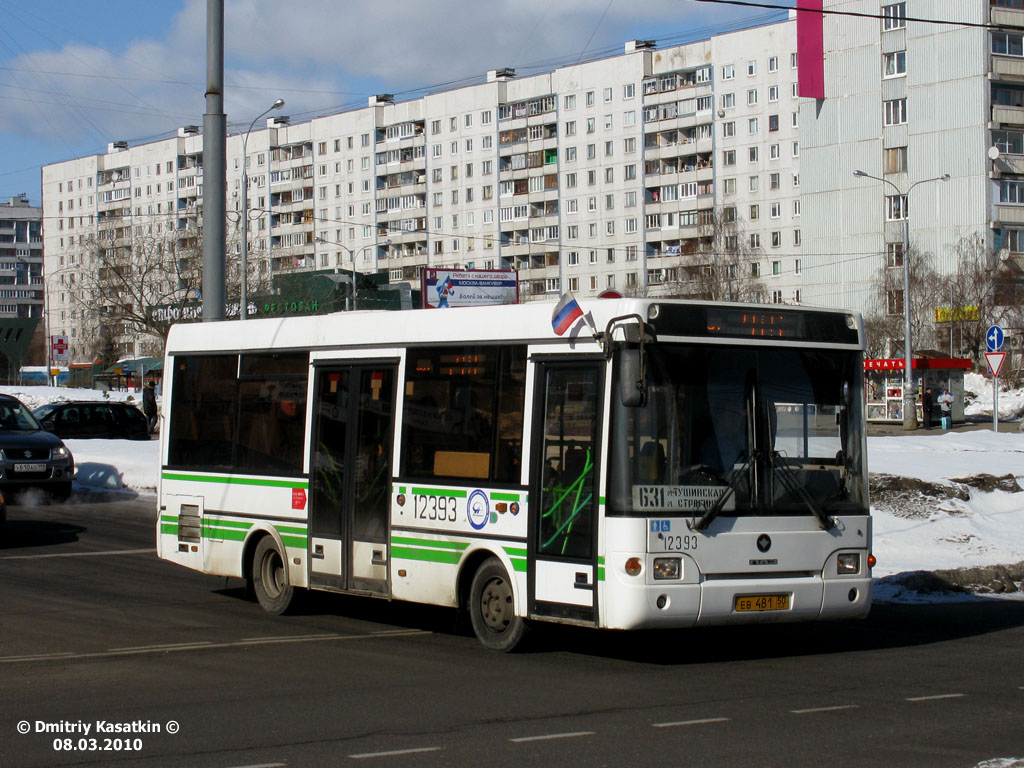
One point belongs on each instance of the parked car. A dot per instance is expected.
(31, 457)
(93, 418)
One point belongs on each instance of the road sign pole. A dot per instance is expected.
(995, 403)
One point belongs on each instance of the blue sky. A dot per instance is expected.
(76, 75)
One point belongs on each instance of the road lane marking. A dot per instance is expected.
(287, 638)
(836, 708)
(550, 736)
(163, 646)
(938, 696)
(82, 554)
(679, 723)
(394, 752)
(201, 645)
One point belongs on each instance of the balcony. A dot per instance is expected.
(1006, 115)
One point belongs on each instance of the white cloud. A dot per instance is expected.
(319, 55)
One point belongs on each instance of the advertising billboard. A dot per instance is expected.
(444, 288)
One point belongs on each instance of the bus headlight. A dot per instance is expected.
(667, 567)
(848, 562)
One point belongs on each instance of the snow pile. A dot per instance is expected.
(978, 390)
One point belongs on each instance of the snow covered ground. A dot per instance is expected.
(987, 528)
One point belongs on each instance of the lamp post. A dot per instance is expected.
(909, 403)
(244, 303)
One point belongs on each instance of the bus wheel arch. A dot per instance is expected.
(266, 570)
(491, 606)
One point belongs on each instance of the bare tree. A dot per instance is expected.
(885, 321)
(985, 290)
(135, 280)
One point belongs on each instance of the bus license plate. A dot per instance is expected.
(29, 467)
(762, 603)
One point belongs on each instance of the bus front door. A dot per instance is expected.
(350, 476)
(562, 562)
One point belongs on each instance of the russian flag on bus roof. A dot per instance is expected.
(567, 312)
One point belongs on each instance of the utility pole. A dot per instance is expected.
(215, 166)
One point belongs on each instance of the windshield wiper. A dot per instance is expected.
(730, 479)
(825, 520)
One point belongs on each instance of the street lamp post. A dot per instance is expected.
(244, 303)
(909, 401)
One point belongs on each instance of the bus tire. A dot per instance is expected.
(270, 577)
(492, 608)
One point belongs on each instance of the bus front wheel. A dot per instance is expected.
(270, 577)
(492, 608)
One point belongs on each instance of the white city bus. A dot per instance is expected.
(682, 464)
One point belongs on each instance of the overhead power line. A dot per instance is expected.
(862, 15)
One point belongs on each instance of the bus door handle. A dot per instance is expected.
(582, 581)
(378, 558)
(318, 552)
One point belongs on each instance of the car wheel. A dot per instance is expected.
(270, 578)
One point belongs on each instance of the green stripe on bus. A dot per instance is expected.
(515, 551)
(171, 530)
(439, 492)
(600, 573)
(428, 555)
(227, 534)
(459, 545)
(518, 557)
(231, 480)
(294, 541)
(168, 519)
(505, 497)
(290, 529)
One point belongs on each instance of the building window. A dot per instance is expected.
(752, 125)
(755, 240)
(773, 93)
(751, 68)
(1008, 43)
(729, 157)
(755, 213)
(776, 267)
(776, 239)
(628, 90)
(773, 63)
(729, 129)
(896, 112)
(773, 123)
(728, 72)
(752, 96)
(570, 101)
(728, 100)
(895, 159)
(896, 207)
(894, 64)
(894, 16)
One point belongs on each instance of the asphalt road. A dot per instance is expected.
(95, 630)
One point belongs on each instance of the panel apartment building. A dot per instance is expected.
(908, 102)
(638, 173)
(21, 259)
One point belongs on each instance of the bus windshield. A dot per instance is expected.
(740, 431)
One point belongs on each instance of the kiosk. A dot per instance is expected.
(883, 385)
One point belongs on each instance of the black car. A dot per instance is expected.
(93, 418)
(31, 457)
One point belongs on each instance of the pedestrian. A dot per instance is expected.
(946, 408)
(926, 407)
(149, 404)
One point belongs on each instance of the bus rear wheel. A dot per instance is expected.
(270, 577)
(492, 608)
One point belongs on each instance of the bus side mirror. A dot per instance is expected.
(632, 388)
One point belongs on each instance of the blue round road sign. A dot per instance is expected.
(994, 338)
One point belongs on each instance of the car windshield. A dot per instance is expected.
(44, 411)
(15, 416)
(741, 431)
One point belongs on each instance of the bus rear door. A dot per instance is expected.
(350, 475)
